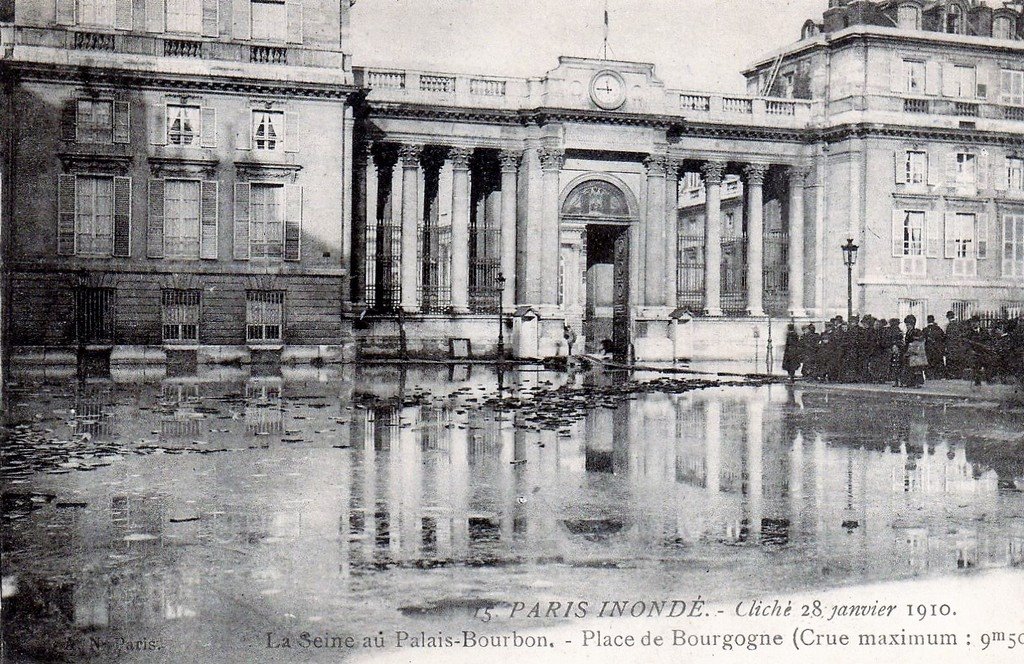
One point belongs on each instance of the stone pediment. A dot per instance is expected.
(604, 85)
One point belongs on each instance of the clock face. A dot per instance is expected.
(608, 90)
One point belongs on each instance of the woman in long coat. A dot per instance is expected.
(791, 354)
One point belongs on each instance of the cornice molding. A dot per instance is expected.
(945, 134)
(82, 162)
(260, 170)
(176, 166)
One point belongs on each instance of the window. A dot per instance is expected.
(180, 313)
(1002, 27)
(185, 16)
(96, 12)
(917, 167)
(1012, 84)
(95, 121)
(94, 216)
(181, 219)
(268, 130)
(964, 81)
(913, 234)
(962, 309)
(1013, 245)
(966, 169)
(266, 225)
(954, 19)
(269, 20)
(264, 315)
(908, 17)
(960, 235)
(183, 125)
(1015, 173)
(912, 307)
(915, 72)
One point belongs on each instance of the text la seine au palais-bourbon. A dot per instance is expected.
(750, 625)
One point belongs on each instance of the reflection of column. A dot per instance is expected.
(654, 232)
(551, 164)
(509, 166)
(755, 238)
(713, 173)
(671, 233)
(365, 214)
(506, 488)
(410, 155)
(820, 471)
(796, 481)
(410, 468)
(459, 459)
(796, 240)
(460, 228)
(713, 438)
(344, 476)
(755, 463)
(369, 485)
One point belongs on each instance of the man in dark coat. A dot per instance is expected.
(935, 348)
(809, 343)
(791, 353)
(894, 342)
(826, 349)
(956, 346)
(837, 354)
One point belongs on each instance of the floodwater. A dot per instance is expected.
(202, 520)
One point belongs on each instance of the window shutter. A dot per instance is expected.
(211, 18)
(292, 221)
(897, 74)
(982, 169)
(951, 169)
(241, 230)
(897, 232)
(950, 218)
(208, 219)
(981, 81)
(934, 162)
(293, 10)
(900, 166)
(241, 19)
(243, 135)
(933, 78)
(122, 122)
(1008, 222)
(155, 223)
(949, 80)
(291, 131)
(122, 216)
(1000, 173)
(123, 15)
(69, 120)
(66, 12)
(155, 15)
(208, 127)
(981, 222)
(933, 234)
(158, 125)
(66, 215)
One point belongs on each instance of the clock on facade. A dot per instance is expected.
(607, 89)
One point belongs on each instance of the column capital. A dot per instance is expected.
(673, 164)
(509, 160)
(363, 153)
(798, 173)
(755, 173)
(460, 157)
(713, 172)
(410, 154)
(656, 164)
(551, 159)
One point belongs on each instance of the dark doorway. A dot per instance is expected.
(606, 316)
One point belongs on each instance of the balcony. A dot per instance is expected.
(689, 102)
(1013, 113)
(915, 106)
(738, 105)
(183, 48)
(387, 80)
(486, 87)
(94, 41)
(432, 83)
(270, 55)
(966, 109)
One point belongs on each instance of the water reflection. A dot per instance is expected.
(347, 499)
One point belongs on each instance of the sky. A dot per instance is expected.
(694, 44)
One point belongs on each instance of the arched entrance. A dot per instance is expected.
(601, 212)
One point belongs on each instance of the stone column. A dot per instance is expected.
(755, 238)
(797, 176)
(410, 156)
(365, 216)
(671, 233)
(509, 166)
(459, 158)
(713, 171)
(654, 232)
(551, 165)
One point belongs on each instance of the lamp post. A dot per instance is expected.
(500, 280)
(849, 260)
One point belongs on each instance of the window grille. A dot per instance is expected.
(95, 315)
(180, 315)
(264, 315)
(690, 264)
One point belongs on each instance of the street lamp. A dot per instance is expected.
(500, 279)
(849, 260)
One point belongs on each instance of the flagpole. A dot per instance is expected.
(605, 49)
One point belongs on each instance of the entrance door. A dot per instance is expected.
(620, 304)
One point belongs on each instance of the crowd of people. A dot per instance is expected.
(866, 349)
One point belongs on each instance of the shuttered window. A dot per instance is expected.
(917, 167)
(268, 130)
(180, 315)
(264, 315)
(183, 124)
(185, 16)
(1012, 86)
(94, 216)
(913, 234)
(1015, 173)
(95, 121)
(966, 169)
(1013, 245)
(96, 12)
(269, 20)
(266, 224)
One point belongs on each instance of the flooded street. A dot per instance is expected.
(200, 520)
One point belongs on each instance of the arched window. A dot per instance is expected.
(954, 19)
(596, 198)
(908, 17)
(809, 30)
(1003, 27)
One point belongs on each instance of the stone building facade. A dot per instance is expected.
(341, 211)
